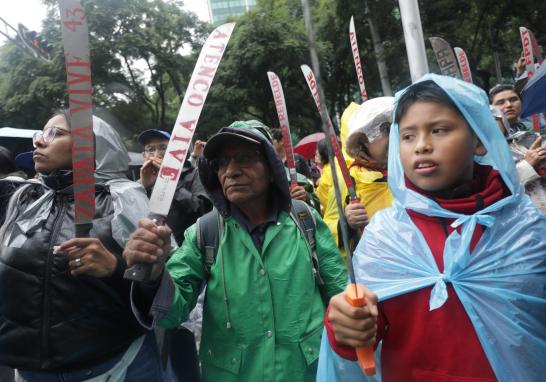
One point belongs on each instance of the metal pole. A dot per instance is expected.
(413, 36)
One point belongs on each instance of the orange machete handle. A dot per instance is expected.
(354, 294)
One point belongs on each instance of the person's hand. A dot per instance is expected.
(198, 148)
(520, 65)
(149, 171)
(299, 193)
(536, 155)
(150, 243)
(356, 215)
(88, 256)
(354, 326)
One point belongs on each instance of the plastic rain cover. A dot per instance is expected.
(502, 286)
(112, 162)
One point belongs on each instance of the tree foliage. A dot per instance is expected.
(139, 71)
(143, 52)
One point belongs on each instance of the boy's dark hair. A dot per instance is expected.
(426, 91)
(276, 134)
(322, 148)
(500, 88)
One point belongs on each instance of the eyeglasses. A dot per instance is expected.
(242, 159)
(47, 135)
(159, 149)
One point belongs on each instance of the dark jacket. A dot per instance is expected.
(49, 319)
(190, 201)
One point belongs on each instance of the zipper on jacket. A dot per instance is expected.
(57, 223)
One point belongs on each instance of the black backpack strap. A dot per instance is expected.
(305, 220)
(208, 231)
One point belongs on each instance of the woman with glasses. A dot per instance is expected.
(64, 308)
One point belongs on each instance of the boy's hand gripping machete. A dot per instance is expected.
(354, 293)
(184, 128)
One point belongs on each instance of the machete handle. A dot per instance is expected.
(142, 272)
(82, 230)
(354, 294)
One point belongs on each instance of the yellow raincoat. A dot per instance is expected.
(370, 187)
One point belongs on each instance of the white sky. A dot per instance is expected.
(30, 13)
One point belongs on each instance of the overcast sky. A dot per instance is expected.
(30, 13)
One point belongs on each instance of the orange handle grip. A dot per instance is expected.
(355, 296)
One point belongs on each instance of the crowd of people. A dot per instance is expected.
(448, 238)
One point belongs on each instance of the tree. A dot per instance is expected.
(143, 52)
(271, 37)
(140, 64)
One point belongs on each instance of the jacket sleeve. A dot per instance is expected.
(331, 266)
(344, 351)
(324, 186)
(169, 301)
(526, 172)
(190, 201)
(188, 275)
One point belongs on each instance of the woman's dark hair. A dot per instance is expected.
(322, 148)
(7, 163)
(426, 91)
(64, 113)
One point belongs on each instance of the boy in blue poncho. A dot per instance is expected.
(458, 263)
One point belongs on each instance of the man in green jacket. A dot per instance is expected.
(263, 312)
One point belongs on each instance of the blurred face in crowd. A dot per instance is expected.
(242, 172)
(437, 146)
(378, 149)
(318, 159)
(509, 103)
(279, 148)
(155, 149)
(53, 146)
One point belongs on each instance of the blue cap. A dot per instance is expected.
(25, 161)
(152, 133)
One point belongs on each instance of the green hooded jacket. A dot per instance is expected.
(270, 300)
(263, 312)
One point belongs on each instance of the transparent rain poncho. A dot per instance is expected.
(502, 285)
(112, 163)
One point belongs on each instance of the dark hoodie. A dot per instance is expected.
(279, 192)
(405, 323)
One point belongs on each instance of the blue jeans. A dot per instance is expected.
(146, 367)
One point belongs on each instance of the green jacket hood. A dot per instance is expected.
(246, 129)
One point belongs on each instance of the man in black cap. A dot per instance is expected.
(190, 201)
(260, 257)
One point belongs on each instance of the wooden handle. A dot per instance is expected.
(355, 296)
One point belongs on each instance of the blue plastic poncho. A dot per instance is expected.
(502, 286)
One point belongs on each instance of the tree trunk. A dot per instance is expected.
(380, 56)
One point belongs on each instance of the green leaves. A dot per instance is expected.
(143, 53)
